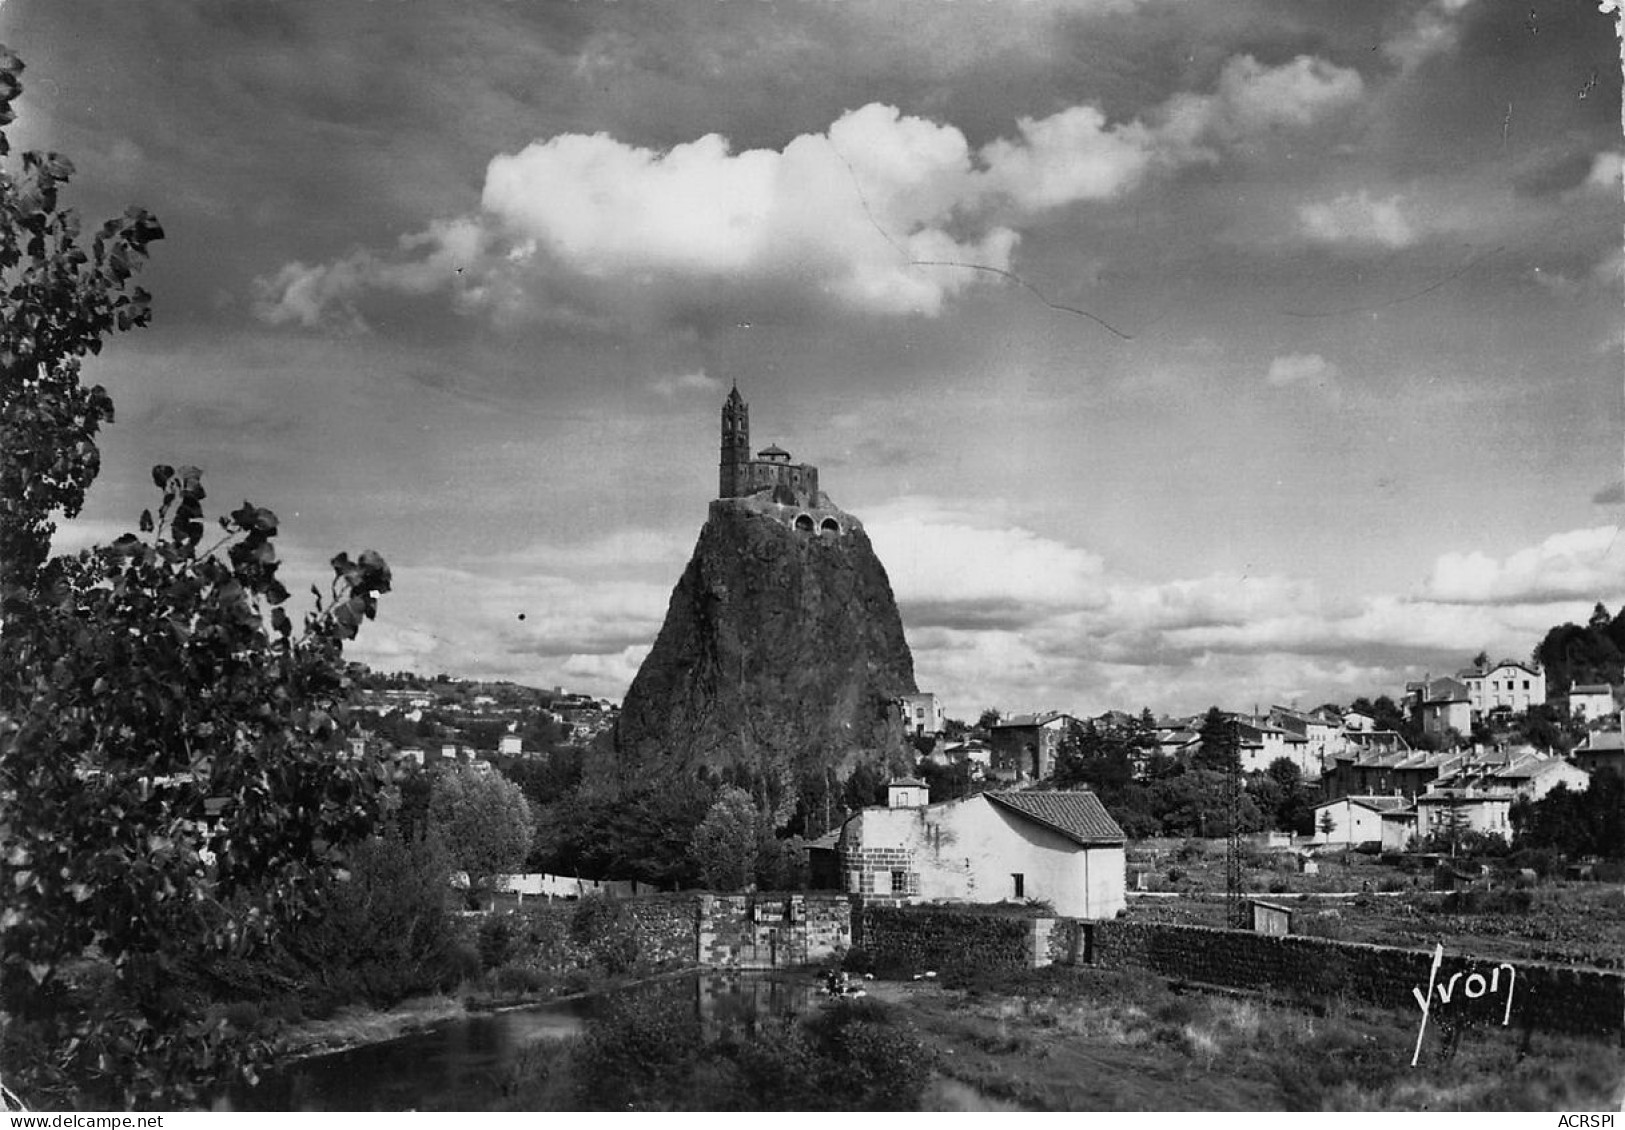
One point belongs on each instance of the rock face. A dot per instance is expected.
(782, 649)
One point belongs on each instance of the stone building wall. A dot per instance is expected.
(765, 931)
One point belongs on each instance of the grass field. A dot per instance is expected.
(1552, 920)
(1091, 1040)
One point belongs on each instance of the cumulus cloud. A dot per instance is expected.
(444, 256)
(1253, 97)
(1434, 30)
(1606, 172)
(1301, 368)
(881, 212)
(950, 569)
(1571, 565)
(1357, 219)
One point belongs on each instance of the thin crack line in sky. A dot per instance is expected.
(1429, 289)
(863, 200)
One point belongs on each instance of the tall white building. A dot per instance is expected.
(1509, 683)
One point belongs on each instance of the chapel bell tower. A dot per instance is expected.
(735, 446)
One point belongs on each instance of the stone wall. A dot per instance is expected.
(1547, 997)
(765, 931)
(664, 926)
(924, 938)
(755, 931)
(1555, 998)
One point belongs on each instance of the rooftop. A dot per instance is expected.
(1079, 816)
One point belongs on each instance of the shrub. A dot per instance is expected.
(495, 941)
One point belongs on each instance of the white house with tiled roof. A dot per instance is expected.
(1591, 701)
(1061, 847)
(1261, 743)
(1509, 683)
(1354, 819)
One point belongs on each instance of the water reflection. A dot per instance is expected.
(465, 1064)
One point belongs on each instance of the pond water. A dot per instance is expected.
(465, 1064)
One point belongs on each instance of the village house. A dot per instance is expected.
(1320, 733)
(1602, 749)
(1261, 744)
(1385, 772)
(1532, 776)
(922, 714)
(1354, 820)
(1446, 811)
(1509, 684)
(1025, 745)
(1591, 701)
(1476, 794)
(1177, 738)
(1059, 847)
(1442, 707)
(1358, 721)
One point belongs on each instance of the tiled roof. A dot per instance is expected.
(1601, 740)
(907, 782)
(1078, 816)
(1016, 720)
(1375, 803)
(1592, 688)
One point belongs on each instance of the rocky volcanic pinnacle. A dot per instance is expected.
(782, 649)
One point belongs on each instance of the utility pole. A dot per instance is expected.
(1234, 914)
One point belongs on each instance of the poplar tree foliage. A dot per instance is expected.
(169, 778)
(486, 823)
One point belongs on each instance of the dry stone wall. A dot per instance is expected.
(1557, 998)
(921, 938)
(755, 931)
(1467, 989)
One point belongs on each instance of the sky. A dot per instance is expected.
(1171, 354)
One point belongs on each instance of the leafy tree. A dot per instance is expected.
(486, 823)
(728, 841)
(1589, 821)
(643, 834)
(947, 782)
(171, 757)
(1102, 762)
(1194, 803)
(866, 786)
(61, 299)
(1594, 653)
(987, 720)
(1293, 810)
(1328, 824)
(1452, 827)
(386, 931)
(1220, 747)
(1542, 727)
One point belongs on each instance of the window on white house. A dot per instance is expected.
(899, 882)
(1021, 885)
